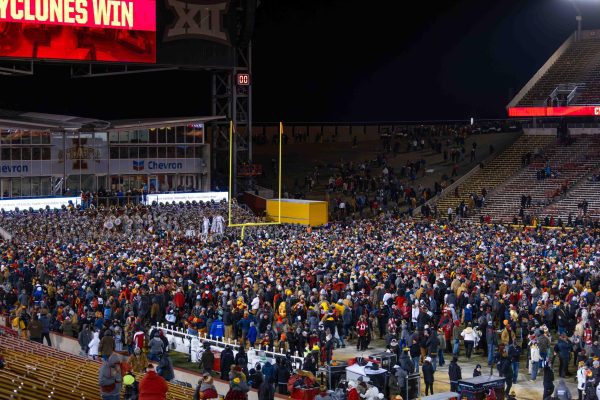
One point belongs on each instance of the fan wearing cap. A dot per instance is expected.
(238, 388)
(131, 386)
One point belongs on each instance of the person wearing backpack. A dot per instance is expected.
(109, 378)
(562, 392)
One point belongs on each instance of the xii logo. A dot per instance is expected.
(201, 19)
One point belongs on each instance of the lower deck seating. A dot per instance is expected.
(34, 372)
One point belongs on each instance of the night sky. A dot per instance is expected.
(345, 60)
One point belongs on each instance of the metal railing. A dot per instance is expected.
(182, 342)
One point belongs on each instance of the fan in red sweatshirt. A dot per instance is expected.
(179, 298)
(153, 387)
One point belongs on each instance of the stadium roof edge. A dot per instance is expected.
(42, 121)
(160, 122)
(541, 71)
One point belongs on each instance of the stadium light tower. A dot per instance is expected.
(578, 17)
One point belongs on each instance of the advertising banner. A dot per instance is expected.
(183, 197)
(37, 203)
(568, 111)
(146, 166)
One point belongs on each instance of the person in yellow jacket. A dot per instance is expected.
(281, 310)
(138, 361)
(340, 307)
(324, 305)
(18, 324)
(507, 335)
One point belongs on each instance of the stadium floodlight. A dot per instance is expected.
(578, 17)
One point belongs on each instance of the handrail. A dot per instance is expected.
(571, 95)
(219, 344)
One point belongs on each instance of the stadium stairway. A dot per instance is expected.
(573, 66)
(586, 189)
(590, 93)
(495, 172)
(572, 163)
(34, 372)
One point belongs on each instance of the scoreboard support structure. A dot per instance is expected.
(233, 99)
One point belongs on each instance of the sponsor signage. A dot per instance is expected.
(103, 167)
(14, 169)
(84, 30)
(38, 202)
(153, 165)
(568, 111)
(183, 197)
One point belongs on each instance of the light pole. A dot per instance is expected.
(578, 18)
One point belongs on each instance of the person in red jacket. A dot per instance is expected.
(179, 299)
(362, 328)
(352, 392)
(153, 387)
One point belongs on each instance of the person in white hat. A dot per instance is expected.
(352, 392)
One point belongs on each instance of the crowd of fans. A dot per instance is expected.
(362, 189)
(431, 290)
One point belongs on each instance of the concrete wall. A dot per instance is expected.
(584, 131)
(540, 131)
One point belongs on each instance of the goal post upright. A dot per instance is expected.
(230, 200)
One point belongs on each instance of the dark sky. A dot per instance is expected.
(345, 60)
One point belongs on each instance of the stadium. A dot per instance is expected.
(158, 240)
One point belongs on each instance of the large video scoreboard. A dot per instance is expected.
(161, 32)
(84, 30)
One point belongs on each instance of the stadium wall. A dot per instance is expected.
(540, 131)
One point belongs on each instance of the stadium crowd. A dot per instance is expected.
(430, 289)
